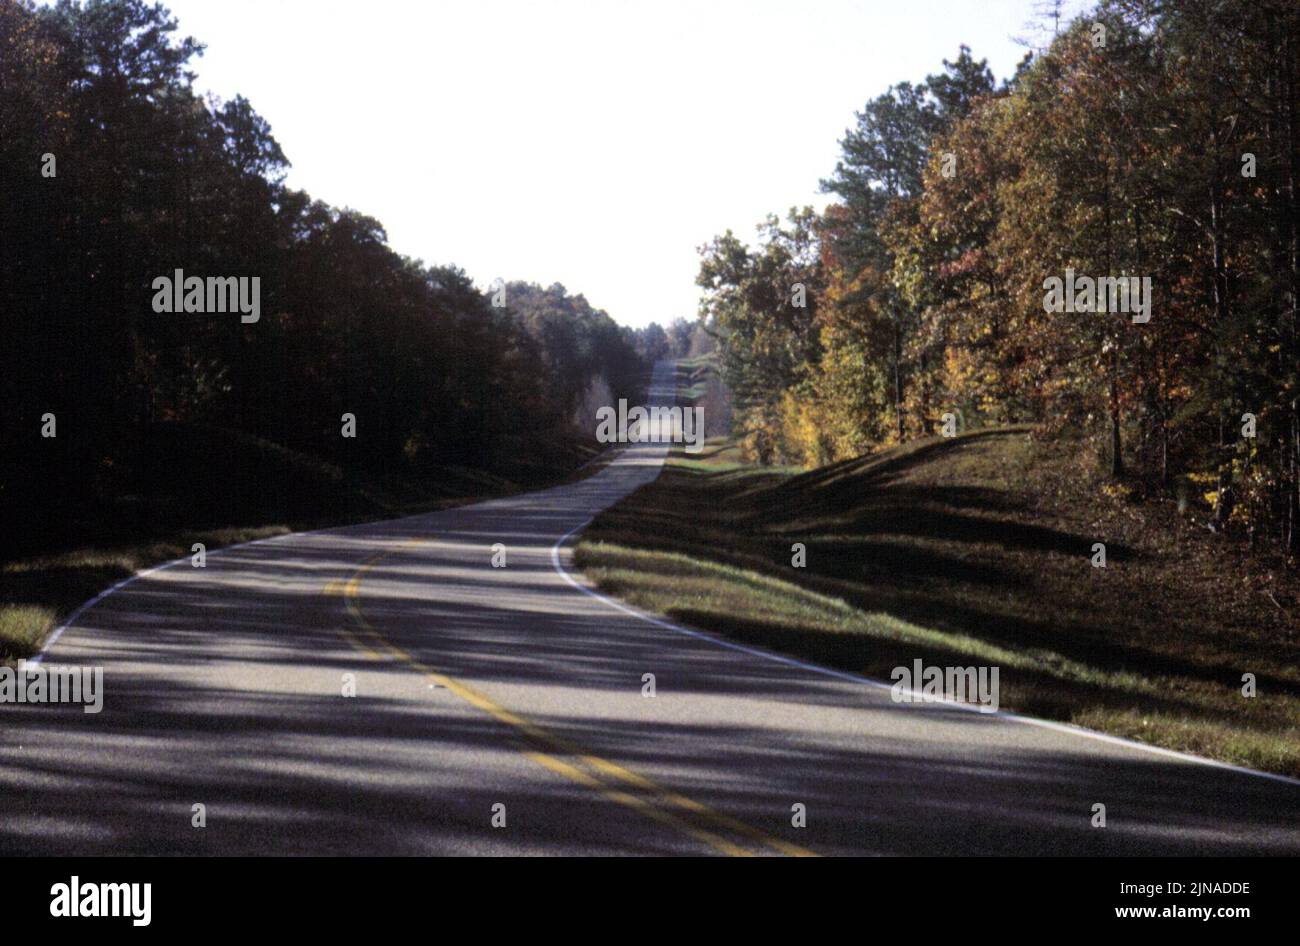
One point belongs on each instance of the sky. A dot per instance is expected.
(595, 144)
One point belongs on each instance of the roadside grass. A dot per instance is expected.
(976, 550)
(718, 455)
(41, 591)
(222, 488)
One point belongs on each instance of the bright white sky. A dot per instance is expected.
(596, 144)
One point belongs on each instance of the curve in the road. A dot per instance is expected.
(518, 691)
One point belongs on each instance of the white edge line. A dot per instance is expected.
(1066, 728)
(699, 635)
(153, 569)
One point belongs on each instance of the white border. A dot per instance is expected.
(878, 684)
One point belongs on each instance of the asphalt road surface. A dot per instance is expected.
(481, 687)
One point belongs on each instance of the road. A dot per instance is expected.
(501, 711)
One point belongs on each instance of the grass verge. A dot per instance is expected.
(977, 550)
(222, 488)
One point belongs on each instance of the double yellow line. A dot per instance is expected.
(613, 781)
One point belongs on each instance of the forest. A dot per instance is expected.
(114, 174)
(1148, 139)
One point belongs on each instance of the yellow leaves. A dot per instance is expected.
(1115, 490)
(804, 430)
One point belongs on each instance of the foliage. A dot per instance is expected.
(1170, 151)
(150, 178)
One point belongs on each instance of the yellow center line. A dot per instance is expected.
(561, 767)
(351, 590)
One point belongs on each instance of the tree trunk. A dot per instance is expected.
(1116, 446)
(898, 376)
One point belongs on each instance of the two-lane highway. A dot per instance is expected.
(502, 711)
